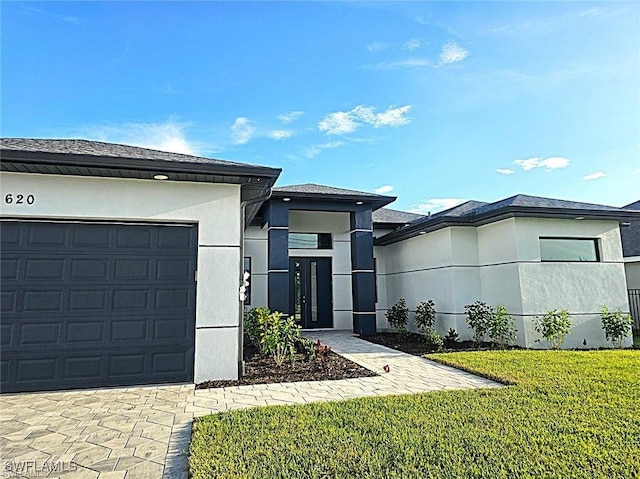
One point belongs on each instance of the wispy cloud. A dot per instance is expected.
(452, 53)
(549, 164)
(291, 116)
(378, 46)
(338, 123)
(64, 18)
(344, 122)
(315, 150)
(242, 131)
(434, 205)
(594, 176)
(383, 190)
(412, 44)
(505, 171)
(167, 136)
(406, 63)
(280, 134)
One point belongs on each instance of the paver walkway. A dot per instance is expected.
(143, 432)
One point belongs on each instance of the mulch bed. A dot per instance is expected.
(414, 343)
(262, 369)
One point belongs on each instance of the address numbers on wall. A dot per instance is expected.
(19, 199)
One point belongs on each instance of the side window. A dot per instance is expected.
(569, 249)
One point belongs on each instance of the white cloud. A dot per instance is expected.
(343, 122)
(408, 63)
(452, 53)
(505, 171)
(378, 46)
(280, 134)
(434, 205)
(314, 150)
(291, 116)
(412, 44)
(383, 190)
(549, 164)
(594, 176)
(338, 123)
(242, 131)
(167, 136)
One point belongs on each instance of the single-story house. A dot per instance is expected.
(123, 265)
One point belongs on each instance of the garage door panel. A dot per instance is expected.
(40, 301)
(89, 269)
(47, 235)
(134, 237)
(8, 302)
(9, 269)
(133, 269)
(89, 305)
(176, 238)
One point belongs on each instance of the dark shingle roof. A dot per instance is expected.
(631, 234)
(526, 201)
(313, 192)
(311, 188)
(99, 159)
(475, 213)
(389, 216)
(460, 210)
(102, 149)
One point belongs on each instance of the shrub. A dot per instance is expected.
(425, 318)
(616, 325)
(500, 328)
(434, 341)
(254, 322)
(398, 316)
(554, 326)
(478, 317)
(280, 337)
(451, 337)
(307, 347)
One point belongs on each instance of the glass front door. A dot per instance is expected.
(311, 292)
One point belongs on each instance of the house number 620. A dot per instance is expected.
(19, 199)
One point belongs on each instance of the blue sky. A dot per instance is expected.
(433, 102)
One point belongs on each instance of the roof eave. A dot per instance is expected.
(136, 164)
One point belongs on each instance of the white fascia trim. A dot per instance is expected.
(631, 259)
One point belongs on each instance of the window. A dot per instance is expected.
(569, 249)
(310, 241)
(247, 269)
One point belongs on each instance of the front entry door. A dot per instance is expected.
(311, 299)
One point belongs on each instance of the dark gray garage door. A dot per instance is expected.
(90, 304)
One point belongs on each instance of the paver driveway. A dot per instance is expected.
(143, 432)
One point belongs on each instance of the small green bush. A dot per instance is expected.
(478, 317)
(398, 316)
(616, 325)
(280, 337)
(425, 318)
(554, 326)
(254, 322)
(307, 347)
(434, 341)
(500, 328)
(451, 338)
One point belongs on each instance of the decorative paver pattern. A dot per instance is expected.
(143, 432)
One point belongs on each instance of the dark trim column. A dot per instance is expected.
(362, 273)
(277, 216)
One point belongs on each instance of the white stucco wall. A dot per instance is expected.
(215, 208)
(499, 263)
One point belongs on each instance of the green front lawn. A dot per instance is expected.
(570, 414)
